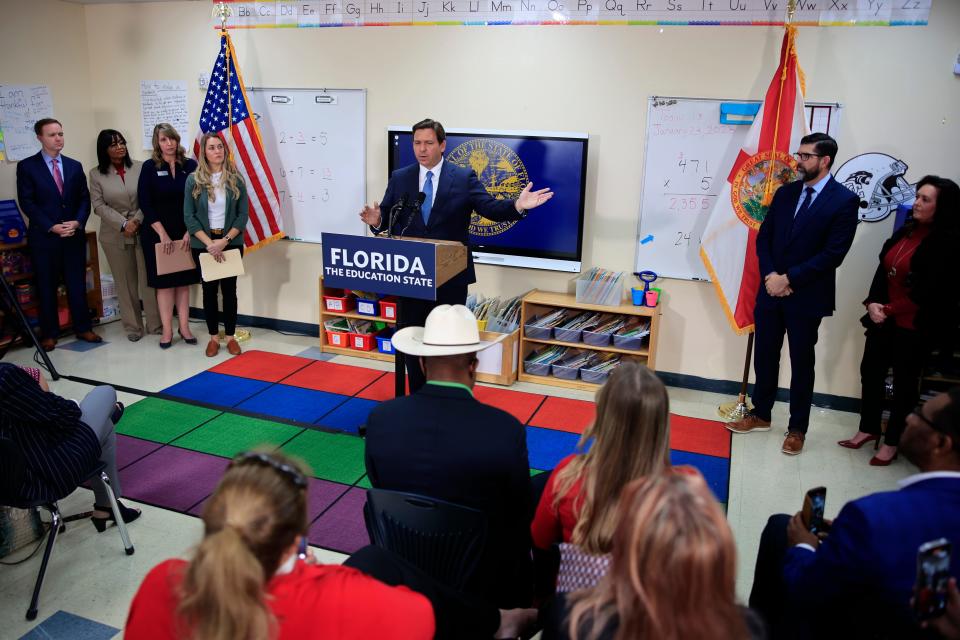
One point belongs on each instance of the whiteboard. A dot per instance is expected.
(689, 154)
(315, 141)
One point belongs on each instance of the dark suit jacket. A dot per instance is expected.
(808, 249)
(441, 442)
(459, 194)
(42, 203)
(869, 561)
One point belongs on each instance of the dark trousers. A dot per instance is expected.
(66, 259)
(457, 615)
(211, 307)
(905, 350)
(802, 332)
(413, 313)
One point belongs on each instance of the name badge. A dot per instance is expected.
(163, 173)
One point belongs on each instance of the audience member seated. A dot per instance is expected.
(246, 581)
(672, 571)
(630, 439)
(61, 439)
(441, 442)
(858, 580)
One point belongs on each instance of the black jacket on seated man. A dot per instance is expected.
(443, 443)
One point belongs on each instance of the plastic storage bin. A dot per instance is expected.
(338, 304)
(363, 341)
(368, 307)
(537, 333)
(596, 339)
(388, 308)
(606, 294)
(337, 338)
(384, 344)
(629, 342)
(567, 335)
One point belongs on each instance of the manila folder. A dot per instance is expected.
(210, 269)
(178, 260)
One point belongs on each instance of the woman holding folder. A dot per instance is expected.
(215, 208)
(160, 192)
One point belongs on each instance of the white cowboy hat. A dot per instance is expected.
(449, 330)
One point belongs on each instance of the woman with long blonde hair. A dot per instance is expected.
(630, 439)
(672, 573)
(215, 209)
(247, 582)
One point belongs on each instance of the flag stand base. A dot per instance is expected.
(737, 410)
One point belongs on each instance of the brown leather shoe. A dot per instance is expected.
(233, 347)
(213, 348)
(48, 344)
(749, 424)
(89, 336)
(793, 445)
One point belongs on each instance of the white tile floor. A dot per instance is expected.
(89, 574)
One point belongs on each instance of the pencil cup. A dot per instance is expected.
(652, 298)
(637, 293)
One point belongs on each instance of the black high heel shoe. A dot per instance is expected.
(127, 513)
(192, 340)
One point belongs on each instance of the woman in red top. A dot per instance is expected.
(246, 582)
(631, 439)
(912, 300)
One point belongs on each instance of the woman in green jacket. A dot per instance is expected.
(215, 209)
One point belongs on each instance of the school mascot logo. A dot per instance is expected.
(880, 182)
(500, 171)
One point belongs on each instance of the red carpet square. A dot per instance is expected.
(262, 365)
(382, 389)
(696, 435)
(333, 378)
(517, 403)
(564, 414)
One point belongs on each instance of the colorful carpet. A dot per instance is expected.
(173, 448)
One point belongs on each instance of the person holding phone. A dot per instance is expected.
(868, 561)
(215, 209)
(160, 193)
(246, 581)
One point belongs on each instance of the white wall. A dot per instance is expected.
(896, 84)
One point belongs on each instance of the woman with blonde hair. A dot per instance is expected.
(631, 439)
(215, 209)
(160, 193)
(247, 582)
(672, 572)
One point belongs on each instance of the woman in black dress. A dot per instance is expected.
(160, 192)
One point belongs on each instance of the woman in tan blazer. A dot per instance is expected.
(113, 194)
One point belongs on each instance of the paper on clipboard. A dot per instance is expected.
(173, 262)
(210, 269)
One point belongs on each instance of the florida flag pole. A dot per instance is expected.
(728, 246)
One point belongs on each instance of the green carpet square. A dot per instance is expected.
(536, 472)
(161, 420)
(330, 456)
(365, 483)
(230, 434)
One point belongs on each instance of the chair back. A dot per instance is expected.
(579, 569)
(443, 539)
(12, 472)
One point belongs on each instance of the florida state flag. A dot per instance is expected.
(728, 247)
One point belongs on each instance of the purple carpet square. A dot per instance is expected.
(320, 495)
(173, 478)
(132, 449)
(349, 416)
(342, 528)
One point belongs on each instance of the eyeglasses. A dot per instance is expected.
(803, 157)
(918, 413)
(288, 471)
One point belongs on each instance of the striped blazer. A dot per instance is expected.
(58, 449)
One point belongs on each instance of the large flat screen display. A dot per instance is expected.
(551, 236)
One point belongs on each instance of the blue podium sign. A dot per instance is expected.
(381, 265)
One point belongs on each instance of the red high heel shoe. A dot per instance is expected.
(850, 444)
(877, 461)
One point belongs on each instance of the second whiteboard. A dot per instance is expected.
(314, 140)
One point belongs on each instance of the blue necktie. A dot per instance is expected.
(806, 203)
(428, 201)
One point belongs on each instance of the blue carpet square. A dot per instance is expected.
(349, 416)
(80, 345)
(316, 354)
(547, 447)
(292, 403)
(217, 389)
(67, 626)
(716, 471)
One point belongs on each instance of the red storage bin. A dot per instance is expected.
(363, 341)
(388, 308)
(338, 339)
(339, 304)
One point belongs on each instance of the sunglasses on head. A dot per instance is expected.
(291, 473)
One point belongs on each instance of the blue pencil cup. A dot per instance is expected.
(637, 294)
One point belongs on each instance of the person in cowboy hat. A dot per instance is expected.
(443, 443)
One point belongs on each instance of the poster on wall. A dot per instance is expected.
(21, 105)
(163, 101)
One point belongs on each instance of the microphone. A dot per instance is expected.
(421, 198)
(414, 209)
(400, 205)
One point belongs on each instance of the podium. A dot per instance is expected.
(402, 267)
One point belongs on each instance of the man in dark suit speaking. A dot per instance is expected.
(803, 239)
(53, 195)
(451, 195)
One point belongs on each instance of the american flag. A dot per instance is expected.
(225, 112)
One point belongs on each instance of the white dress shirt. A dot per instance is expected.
(217, 209)
(435, 179)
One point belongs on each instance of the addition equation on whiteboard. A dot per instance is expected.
(689, 188)
(303, 183)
